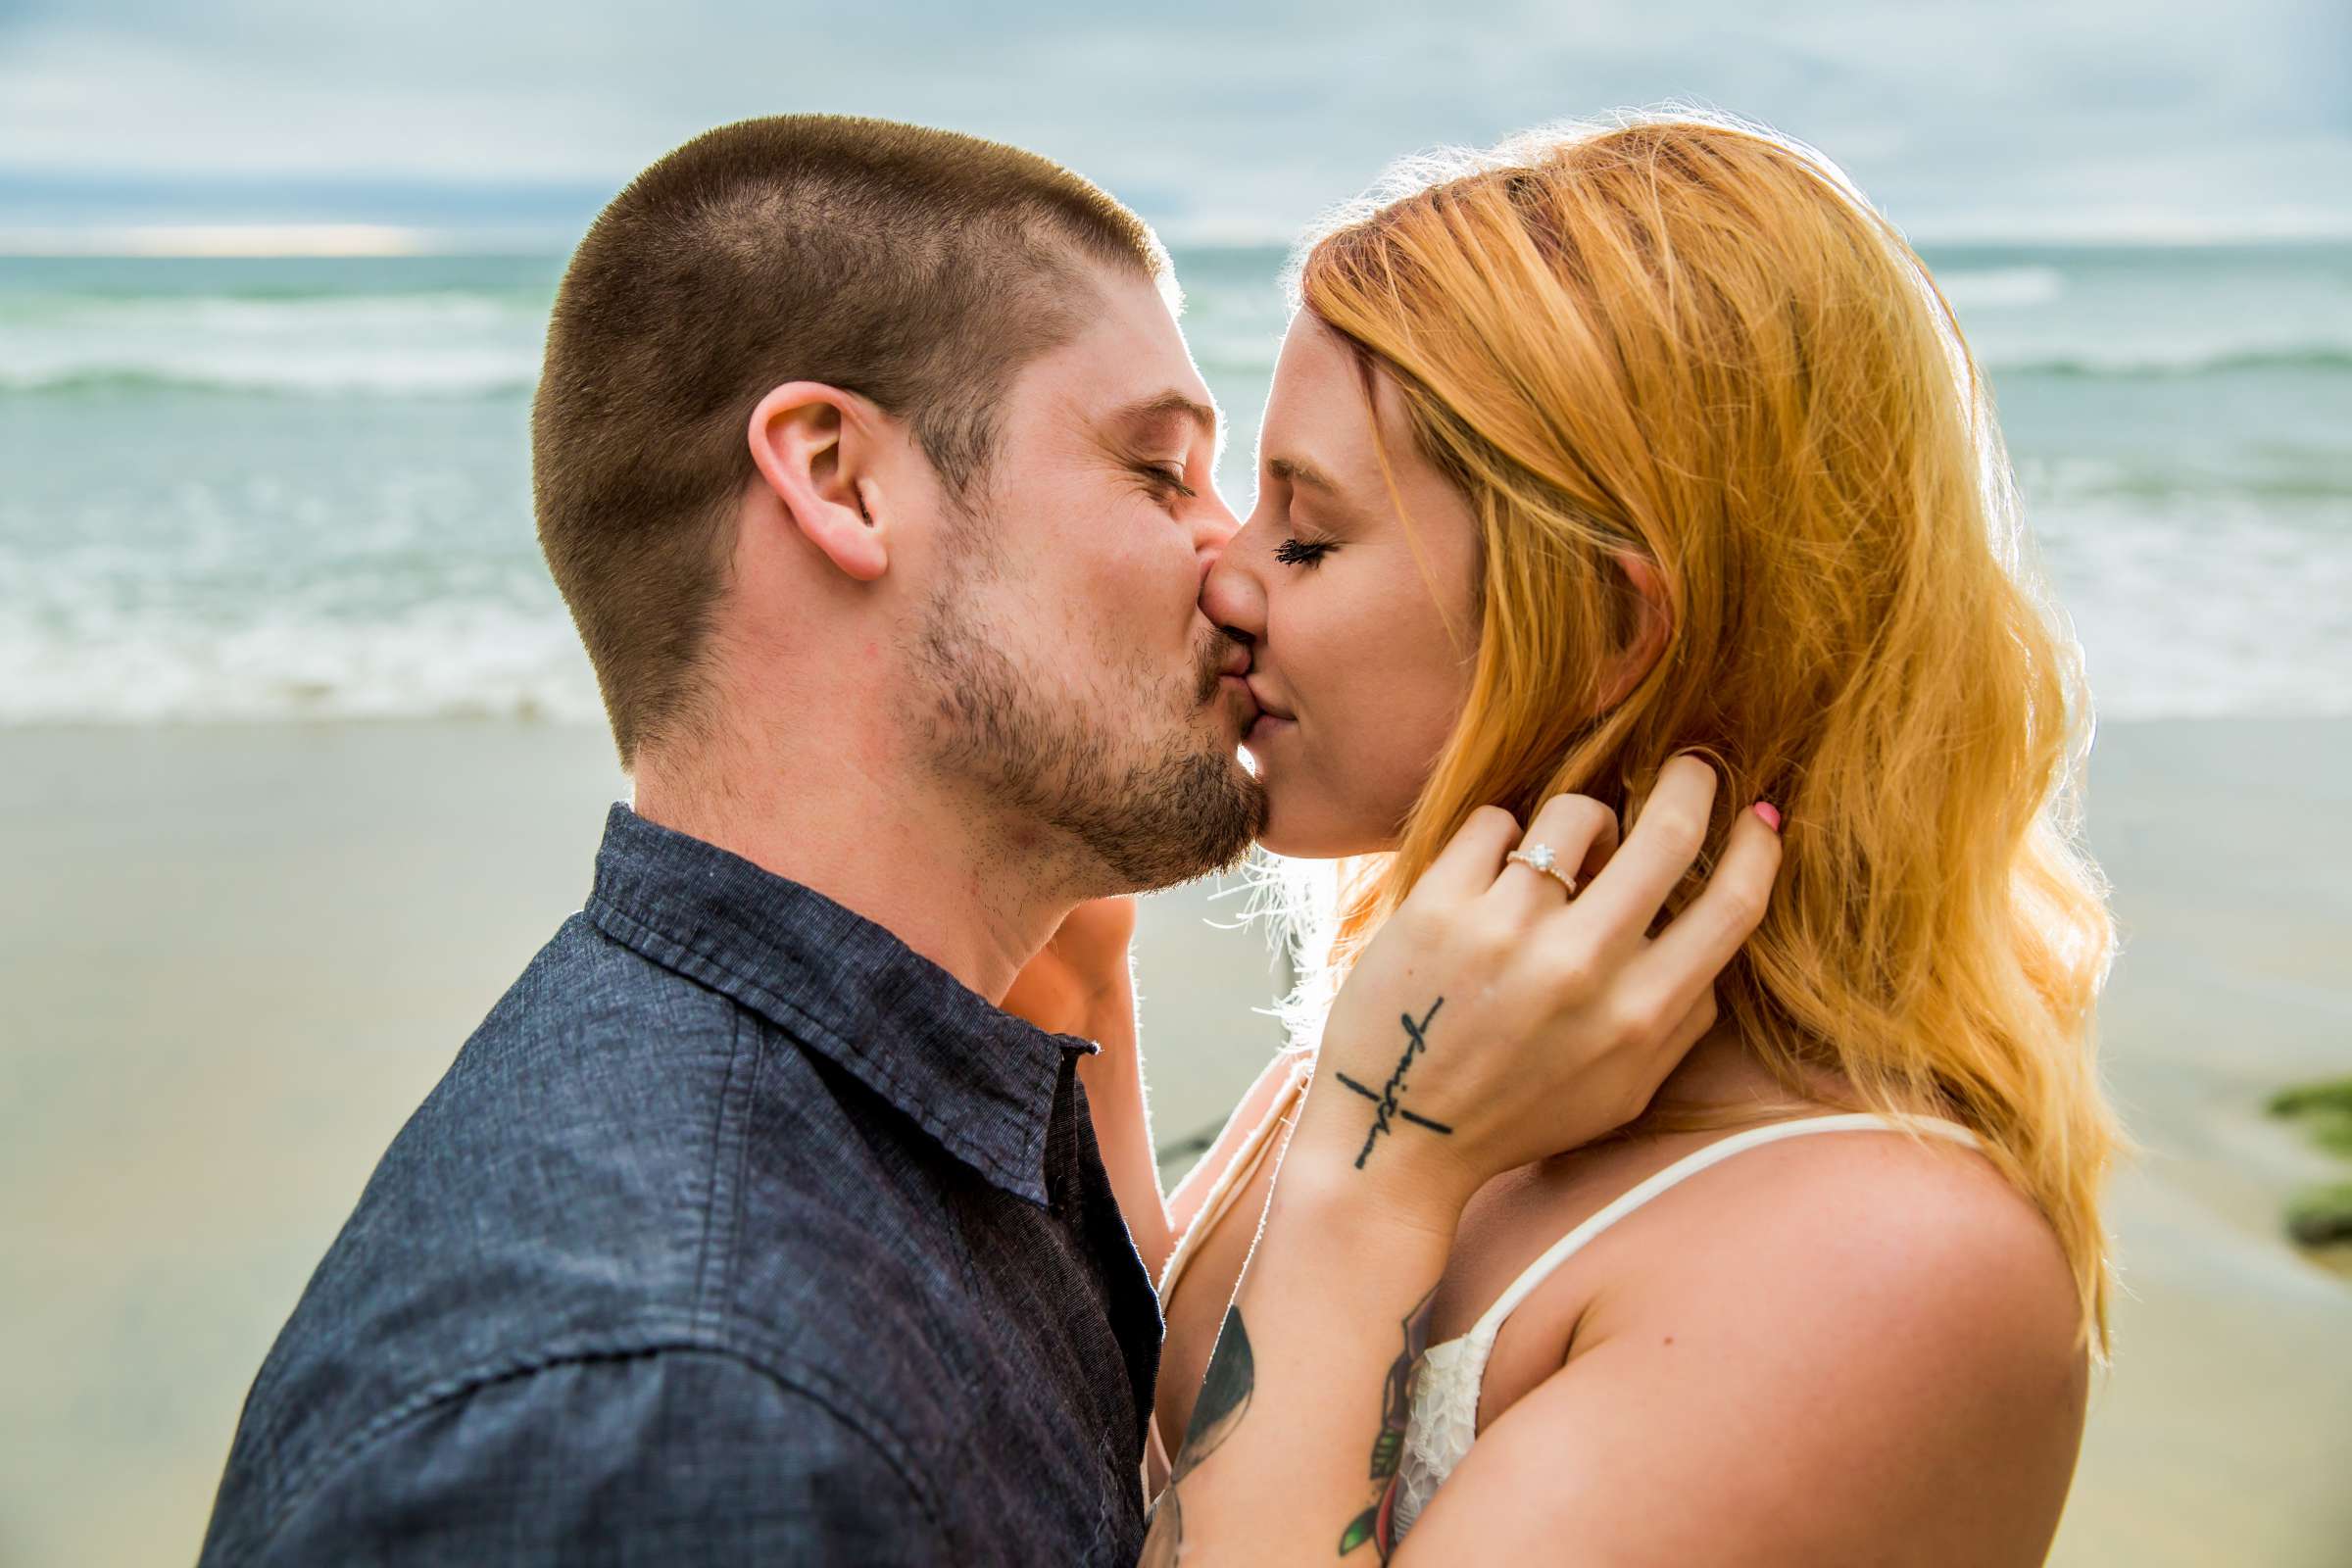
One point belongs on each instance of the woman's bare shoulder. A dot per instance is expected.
(1811, 1349)
(1914, 1249)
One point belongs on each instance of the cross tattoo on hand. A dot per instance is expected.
(1416, 1041)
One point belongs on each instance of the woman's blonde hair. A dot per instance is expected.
(1691, 340)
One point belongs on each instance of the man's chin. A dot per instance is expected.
(1261, 810)
(1223, 812)
(1233, 819)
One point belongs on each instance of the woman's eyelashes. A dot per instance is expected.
(1301, 551)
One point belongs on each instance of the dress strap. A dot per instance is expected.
(1683, 1170)
(1236, 1175)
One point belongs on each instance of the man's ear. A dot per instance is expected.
(1651, 620)
(814, 445)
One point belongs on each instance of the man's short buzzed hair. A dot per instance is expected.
(919, 269)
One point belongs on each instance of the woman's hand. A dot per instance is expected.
(1064, 989)
(1492, 1021)
(1495, 1020)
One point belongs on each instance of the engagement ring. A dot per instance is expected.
(1540, 856)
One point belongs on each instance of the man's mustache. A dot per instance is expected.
(1215, 654)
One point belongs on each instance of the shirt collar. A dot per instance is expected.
(978, 1080)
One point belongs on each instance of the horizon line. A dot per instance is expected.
(362, 240)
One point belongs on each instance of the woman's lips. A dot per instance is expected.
(1265, 727)
(1266, 722)
(1264, 707)
(1269, 722)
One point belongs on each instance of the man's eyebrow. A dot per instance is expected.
(1148, 416)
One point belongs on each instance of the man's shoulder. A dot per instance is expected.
(578, 1118)
(574, 1187)
(583, 995)
(587, 1151)
(683, 1446)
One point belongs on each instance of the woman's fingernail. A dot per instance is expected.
(1772, 817)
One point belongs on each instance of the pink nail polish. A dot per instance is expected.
(1772, 817)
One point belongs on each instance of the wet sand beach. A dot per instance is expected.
(234, 957)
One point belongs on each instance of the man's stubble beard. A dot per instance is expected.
(1145, 811)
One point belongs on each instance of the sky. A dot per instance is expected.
(1216, 118)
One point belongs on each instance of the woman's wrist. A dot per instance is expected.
(1337, 1172)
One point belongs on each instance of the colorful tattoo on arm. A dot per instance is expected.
(1377, 1524)
(1224, 1400)
(1416, 1041)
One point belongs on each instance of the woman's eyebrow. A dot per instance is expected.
(1298, 471)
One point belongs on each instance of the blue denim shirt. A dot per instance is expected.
(738, 1232)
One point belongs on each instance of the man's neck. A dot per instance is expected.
(976, 898)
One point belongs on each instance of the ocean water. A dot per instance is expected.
(296, 488)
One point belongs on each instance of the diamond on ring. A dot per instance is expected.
(1541, 859)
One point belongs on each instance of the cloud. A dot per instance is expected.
(1217, 112)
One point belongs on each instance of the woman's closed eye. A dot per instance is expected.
(1302, 551)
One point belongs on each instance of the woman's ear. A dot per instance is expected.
(1651, 621)
(811, 444)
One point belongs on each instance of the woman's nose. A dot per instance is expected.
(1232, 594)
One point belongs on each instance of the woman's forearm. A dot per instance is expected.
(1294, 1440)
(1216, 1212)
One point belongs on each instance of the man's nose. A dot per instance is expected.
(1213, 528)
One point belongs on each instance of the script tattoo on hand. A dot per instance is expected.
(1377, 1524)
(1225, 1390)
(1416, 1041)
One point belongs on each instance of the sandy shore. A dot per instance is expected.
(236, 958)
